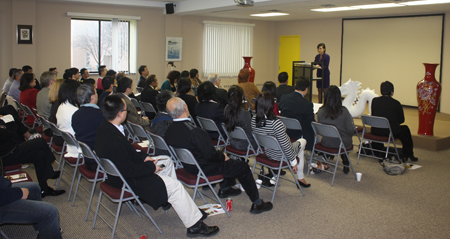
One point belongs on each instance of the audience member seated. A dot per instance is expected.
(149, 93)
(14, 91)
(270, 87)
(9, 81)
(207, 108)
(53, 97)
(101, 74)
(294, 105)
(14, 150)
(266, 122)
(193, 76)
(67, 98)
(162, 120)
(141, 171)
(108, 86)
(19, 130)
(391, 109)
(172, 79)
(236, 115)
(220, 96)
(53, 69)
(124, 87)
(85, 77)
(283, 88)
(21, 203)
(250, 90)
(43, 105)
(182, 133)
(28, 94)
(87, 119)
(333, 113)
(28, 69)
(183, 91)
(143, 72)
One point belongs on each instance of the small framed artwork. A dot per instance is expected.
(174, 46)
(24, 34)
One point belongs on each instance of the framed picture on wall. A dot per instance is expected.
(174, 46)
(24, 34)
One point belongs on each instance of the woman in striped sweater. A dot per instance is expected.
(266, 122)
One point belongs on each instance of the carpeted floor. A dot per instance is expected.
(412, 205)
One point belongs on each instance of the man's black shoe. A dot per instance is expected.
(206, 188)
(56, 176)
(282, 172)
(202, 230)
(51, 192)
(229, 193)
(265, 206)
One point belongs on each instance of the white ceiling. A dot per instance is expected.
(298, 9)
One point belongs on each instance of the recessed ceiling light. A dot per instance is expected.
(415, 3)
(269, 14)
(334, 9)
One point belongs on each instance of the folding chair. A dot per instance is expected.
(131, 136)
(90, 176)
(73, 162)
(3, 100)
(138, 106)
(357, 131)
(377, 122)
(20, 110)
(270, 142)
(210, 125)
(123, 195)
(160, 143)
(239, 134)
(331, 132)
(58, 149)
(141, 133)
(45, 123)
(30, 113)
(199, 180)
(291, 124)
(147, 107)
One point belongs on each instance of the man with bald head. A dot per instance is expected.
(182, 133)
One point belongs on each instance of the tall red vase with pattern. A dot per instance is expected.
(428, 95)
(247, 66)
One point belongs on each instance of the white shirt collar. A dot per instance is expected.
(120, 128)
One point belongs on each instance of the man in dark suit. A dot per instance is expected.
(283, 88)
(149, 94)
(294, 105)
(124, 87)
(391, 109)
(143, 71)
(221, 95)
(140, 171)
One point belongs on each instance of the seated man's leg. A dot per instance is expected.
(405, 137)
(238, 169)
(181, 202)
(33, 188)
(43, 216)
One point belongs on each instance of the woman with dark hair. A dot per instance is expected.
(67, 97)
(207, 108)
(172, 79)
(270, 87)
(193, 75)
(325, 59)
(250, 90)
(28, 94)
(236, 115)
(266, 122)
(183, 91)
(162, 120)
(333, 113)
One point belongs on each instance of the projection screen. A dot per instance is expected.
(379, 49)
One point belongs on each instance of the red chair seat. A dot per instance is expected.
(262, 158)
(190, 179)
(113, 192)
(57, 148)
(47, 139)
(236, 151)
(88, 173)
(29, 179)
(371, 136)
(14, 167)
(359, 129)
(320, 147)
(292, 140)
(72, 160)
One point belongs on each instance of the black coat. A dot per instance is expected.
(282, 90)
(149, 95)
(214, 111)
(391, 109)
(294, 105)
(110, 143)
(221, 97)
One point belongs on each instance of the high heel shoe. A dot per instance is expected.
(304, 185)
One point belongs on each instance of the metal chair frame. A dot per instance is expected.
(378, 122)
(57, 132)
(239, 133)
(185, 156)
(110, 169)
(210, 125)
(45, 123)
(270, 142)
(141, 133)
(28, 111)
(137, 105)
(331, 132)
(130, 133)
(160, 143)
(147, 107)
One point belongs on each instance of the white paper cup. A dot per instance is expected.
(258, 183)
(358, 176)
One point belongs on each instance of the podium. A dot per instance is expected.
(301, 68)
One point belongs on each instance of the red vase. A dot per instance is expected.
(428, 95)
(247, 66)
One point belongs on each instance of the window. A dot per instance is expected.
(101, 42)
(224, 46)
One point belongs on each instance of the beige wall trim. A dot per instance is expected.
(103, 16)
(229, 23)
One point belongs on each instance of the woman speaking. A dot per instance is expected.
(325, 59)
